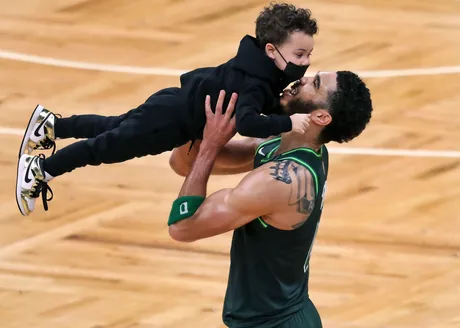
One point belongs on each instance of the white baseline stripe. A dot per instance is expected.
(396, 152)
(89, 66)
(4, 54)
(340, 151)
(410, 72)
(13, 132)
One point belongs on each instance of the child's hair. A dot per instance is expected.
(277, 21)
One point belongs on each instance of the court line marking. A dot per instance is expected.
(339, 150)
(177, 72)
(5, 54)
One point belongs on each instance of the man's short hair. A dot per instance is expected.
(350, 107)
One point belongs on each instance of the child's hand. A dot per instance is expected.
(300, 123)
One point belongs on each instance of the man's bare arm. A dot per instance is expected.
(283, 193)
(228, 209)
(235, 157)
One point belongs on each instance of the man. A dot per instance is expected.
(275, 210)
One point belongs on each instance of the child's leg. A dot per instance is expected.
(152, 128)
(44, 127)
(86, 126)
(90, 126)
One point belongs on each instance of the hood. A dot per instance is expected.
(251, 59)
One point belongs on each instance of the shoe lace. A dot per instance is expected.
(43, 188)
(47, 143)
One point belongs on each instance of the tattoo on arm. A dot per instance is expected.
(302, 187)
(280, 172)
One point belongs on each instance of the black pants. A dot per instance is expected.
(154, 127)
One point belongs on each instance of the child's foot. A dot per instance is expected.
(40, 131)
(31, 181)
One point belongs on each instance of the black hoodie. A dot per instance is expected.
(256, 79)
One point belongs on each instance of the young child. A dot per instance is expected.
(261, 69)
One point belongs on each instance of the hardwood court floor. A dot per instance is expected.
(388, 250)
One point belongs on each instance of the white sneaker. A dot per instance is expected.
(40, 131)
(31, 181)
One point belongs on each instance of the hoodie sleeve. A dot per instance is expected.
(250, 123)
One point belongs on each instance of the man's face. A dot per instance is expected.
(310, 93)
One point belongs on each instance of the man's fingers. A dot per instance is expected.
(207, 106)
(220, 102)
(231, 105)
(233, 124)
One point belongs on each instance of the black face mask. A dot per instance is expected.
(293, 72)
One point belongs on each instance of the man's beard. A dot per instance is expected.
(299, 106)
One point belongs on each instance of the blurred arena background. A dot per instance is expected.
(388, 249)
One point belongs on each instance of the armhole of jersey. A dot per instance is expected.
(314, 178)
(315, 181)
(313, 174)
(325, 160)
(262, 222)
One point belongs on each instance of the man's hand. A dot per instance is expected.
(236, 156)
(219, 128)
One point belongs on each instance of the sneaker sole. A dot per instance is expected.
(20, 174)
(25, 139)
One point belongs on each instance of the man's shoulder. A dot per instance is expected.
(260, 141)
(259, 181)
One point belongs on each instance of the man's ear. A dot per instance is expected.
(321, 117)
(270, 50)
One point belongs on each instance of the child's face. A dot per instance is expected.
(296, 49)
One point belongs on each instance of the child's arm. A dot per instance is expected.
(250, 123)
